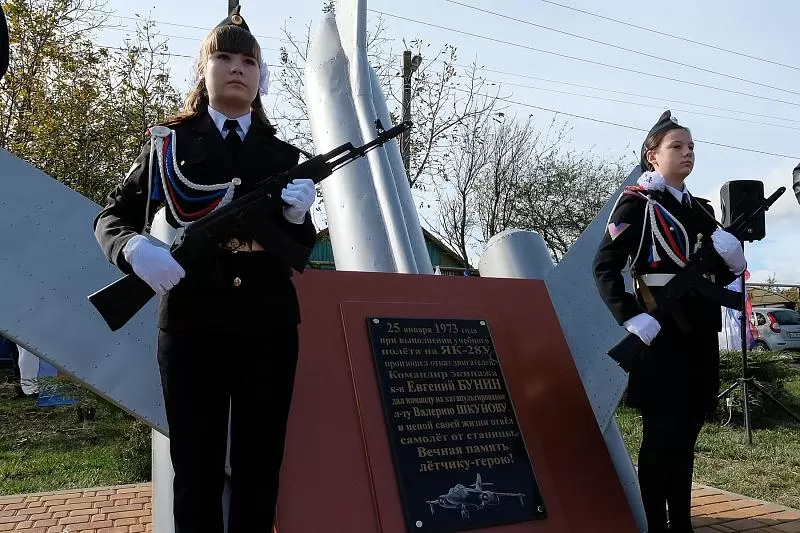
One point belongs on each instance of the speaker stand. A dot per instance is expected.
(746, 382)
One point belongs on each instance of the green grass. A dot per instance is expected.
(769, 469)
(44, 449)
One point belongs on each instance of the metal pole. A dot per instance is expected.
(743, 335)
(405, 140)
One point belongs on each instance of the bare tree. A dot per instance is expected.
(460, 172)
(441, 96)
(564, 193)
(507, 174)
(512, 146)
(441, 99)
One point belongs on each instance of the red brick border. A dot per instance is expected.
(128, 508)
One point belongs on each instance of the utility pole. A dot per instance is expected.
(231, 5)
(410, 65)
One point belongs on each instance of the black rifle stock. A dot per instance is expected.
(119, 301)
(627, 350)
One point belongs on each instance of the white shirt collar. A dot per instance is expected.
(219, 121)
(678, 194)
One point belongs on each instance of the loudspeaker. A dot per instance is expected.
(743, 196)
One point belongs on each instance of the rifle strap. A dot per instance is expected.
(647, 295)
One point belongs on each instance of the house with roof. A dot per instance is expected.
(442, 256)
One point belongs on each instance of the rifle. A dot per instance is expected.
(626, 351)
(118, 302)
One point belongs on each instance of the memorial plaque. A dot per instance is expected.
(460, 459)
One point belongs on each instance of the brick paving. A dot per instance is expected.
(127, 509)
(715, 511)
(121, 509)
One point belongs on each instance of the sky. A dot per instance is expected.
(551, 64)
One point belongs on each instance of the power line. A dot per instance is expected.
(140, 19)
(599, 63)
(194, 39)
(166, 54)
(163, 54)
(593, 97)
(618, 47)
(505, 73)
(685, 39)
(499, 82)
(651, 97)
(555, 111)
(627, 126)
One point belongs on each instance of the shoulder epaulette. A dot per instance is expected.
(636, 191)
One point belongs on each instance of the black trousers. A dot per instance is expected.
(666, 462)
(203, 373)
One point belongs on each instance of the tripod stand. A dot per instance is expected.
(746, 382)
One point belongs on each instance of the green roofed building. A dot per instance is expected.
(449, 263)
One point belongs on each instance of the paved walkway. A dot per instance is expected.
(122, 509)
(714, 510)
(127, 509)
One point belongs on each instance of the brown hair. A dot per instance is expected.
(653, 142)
(226, 39)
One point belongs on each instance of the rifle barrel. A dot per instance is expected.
(118, 302)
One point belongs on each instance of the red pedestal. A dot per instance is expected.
(338, 474)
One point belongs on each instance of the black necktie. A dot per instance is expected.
(687, 201)
(232, 139)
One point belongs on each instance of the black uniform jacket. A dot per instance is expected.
(796, 181)
(679, 368)
(627, 228)
(264, 294)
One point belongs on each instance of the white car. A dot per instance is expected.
(778, 328)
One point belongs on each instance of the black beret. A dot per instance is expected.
(234, 19)
(665, 122)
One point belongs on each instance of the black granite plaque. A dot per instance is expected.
(460, 459)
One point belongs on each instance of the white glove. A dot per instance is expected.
(643, 326)
(153, 264)
(300, 195)
(729, 249)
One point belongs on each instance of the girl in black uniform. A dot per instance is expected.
(235, 309)
(655, 227)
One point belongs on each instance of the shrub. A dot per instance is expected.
(771, 369)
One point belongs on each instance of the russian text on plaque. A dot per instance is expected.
(460, 459)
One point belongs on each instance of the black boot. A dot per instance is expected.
(679, 494)
(652, 483)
